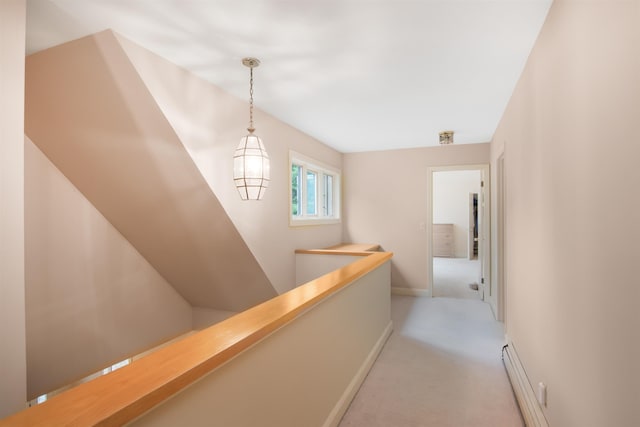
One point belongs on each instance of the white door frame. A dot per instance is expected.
(484, 235)
(501, 218)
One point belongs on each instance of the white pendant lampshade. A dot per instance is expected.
(251, 161)
(251, 168)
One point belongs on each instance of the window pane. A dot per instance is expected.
(328, 196)
(296, 190)
(312, 193)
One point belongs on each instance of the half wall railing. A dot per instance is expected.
(294, 360)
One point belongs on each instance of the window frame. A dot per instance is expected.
(322, 171)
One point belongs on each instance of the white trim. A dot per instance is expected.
(312, 221)
(338, 411)
(525, 395)
(501, 227)
(412, 292)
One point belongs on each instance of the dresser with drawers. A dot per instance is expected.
(443, 240)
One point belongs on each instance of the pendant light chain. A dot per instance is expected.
(251, 128)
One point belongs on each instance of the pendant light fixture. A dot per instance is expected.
(251, 161)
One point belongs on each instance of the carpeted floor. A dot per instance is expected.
(440, 367)
(452, 277)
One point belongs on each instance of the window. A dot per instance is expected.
(315, 192)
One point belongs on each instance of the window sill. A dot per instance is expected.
(313, 221)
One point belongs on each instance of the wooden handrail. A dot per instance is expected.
(129, 392)
(361, 249)
(358, 247)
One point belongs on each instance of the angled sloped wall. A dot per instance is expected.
(91, 298)
(210, 122)
(90, 113)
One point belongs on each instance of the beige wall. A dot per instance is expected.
(386, 203)
(570, 139)
(205, 317)
(312, 266)
(210, 123)
(91, 298)
(12, 305)
(451, 191)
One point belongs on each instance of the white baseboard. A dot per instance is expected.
(412, 292)
(525, 395)
(341, 407)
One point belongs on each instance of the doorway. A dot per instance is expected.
(458, 242)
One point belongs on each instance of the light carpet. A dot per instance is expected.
(440, 367)
(452, 277)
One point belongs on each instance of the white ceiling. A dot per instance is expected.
(359, 75)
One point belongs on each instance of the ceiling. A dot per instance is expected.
(359, 75)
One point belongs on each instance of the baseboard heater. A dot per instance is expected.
(529, 406)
